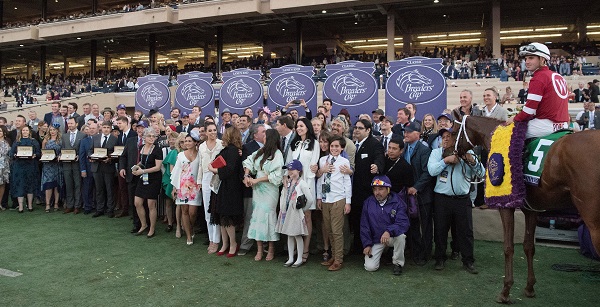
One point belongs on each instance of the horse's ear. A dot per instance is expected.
(456, 115)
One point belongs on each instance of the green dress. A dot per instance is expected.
(166, 178)
(265, 197)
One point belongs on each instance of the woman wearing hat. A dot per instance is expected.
(52, 175)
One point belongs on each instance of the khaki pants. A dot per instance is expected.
(333, 220)
(372, 264)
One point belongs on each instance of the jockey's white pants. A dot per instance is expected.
(541, 127)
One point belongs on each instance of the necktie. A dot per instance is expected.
(328, 176)
(385, 143)
(104, 142)
(283, 145)
(409, 153)
(66, 129)
(124, 137)
(72, 139)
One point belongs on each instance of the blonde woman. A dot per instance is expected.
(52, 175)
(207, 152)
(428, 128)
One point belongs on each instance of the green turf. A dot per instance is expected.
(69, 260)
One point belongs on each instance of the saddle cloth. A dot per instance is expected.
(535, 156)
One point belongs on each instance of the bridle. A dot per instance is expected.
(462, 131)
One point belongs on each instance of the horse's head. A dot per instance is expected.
(289, 83)
(238, 86)
(471, 131)
(347, 80)
(192, 89)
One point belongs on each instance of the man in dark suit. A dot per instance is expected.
(128, 159)
(368, 162)
(523, 92)
(185, 124)
(402, 120)
(387, 135)
(257, 133)
(244, 126)
(87, 110)
(125, 134)
(20, 122)
(54, 116)
(582, 94)
(104, 171)
(87, 187)
(72, 111)
(71, 171)
(420, 234)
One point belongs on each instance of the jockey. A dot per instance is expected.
(546, 109)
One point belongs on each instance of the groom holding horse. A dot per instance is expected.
(547, 106)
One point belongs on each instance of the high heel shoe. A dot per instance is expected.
(237, 249)
(30, 209)
(151, 235)
(141, 232)
(221, 253)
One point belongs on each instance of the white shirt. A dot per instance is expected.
(489, 114)
(206, 156)
(340, 184)
(591, 121)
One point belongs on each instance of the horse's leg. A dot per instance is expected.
(529, 249)
(508, 224)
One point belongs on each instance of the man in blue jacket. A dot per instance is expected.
(383, 223)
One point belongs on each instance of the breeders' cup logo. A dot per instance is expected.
(416, 84)
(152, 95)
(193, 93)
(239, 91)
(348, 86)
(290, 89)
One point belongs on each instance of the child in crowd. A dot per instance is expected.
(291, 221)
(334, 193)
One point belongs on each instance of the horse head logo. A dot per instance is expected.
(239, 90)
(192, 92)
(346, 81)
(411, 77)
(290, 84)
(152, 95)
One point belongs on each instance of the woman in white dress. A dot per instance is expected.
(207, 152)
(305, 148)
(186, 191)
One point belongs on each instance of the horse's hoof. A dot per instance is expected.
(503, 300)
(529, 294)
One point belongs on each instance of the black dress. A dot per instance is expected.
(228, 210)
(152, 188)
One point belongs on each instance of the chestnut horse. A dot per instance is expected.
(570, 177)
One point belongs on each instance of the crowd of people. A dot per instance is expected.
(359, 187)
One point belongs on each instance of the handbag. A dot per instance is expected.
(412, 205)
(301, 202)
(219, 162)
(215, 183)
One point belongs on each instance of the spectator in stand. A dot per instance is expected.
(594, 91)
(523, 92)
(518, 74)
(71, 170)
(508, 97)
(504, 75)
(582, 94)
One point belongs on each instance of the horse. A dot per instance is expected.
(568, 179)
(411, 77)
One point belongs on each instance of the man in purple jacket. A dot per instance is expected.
(383, 223)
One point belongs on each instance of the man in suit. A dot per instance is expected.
(285, 126)
(128, 159)
(377, 114)
(420, 233)
(87, 110)
(185, 124)
(387, 135)
(71, 170)
(402, 120)
(54, 116)
(104, 171)
(589, 118)
(257, 132)
(492, 108)
(369, 161)
(225, 120)
(72, 111)
(86, 145)
(582, 94)
(197, 117)
(244, 126)
(125, 134)
(413, 113)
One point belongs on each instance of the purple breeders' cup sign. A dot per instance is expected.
(351, 85)
(416, 80)
(240, 89)
(292, 82)
(153, 94)
(195, 90)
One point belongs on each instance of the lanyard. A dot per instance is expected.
(290, 191)
(147, 155)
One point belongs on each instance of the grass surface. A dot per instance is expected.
(69, 260)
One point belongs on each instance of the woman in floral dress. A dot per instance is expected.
(4, 161)
(186, 192)
(52, 175)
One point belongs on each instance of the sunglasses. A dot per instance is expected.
(530, 48)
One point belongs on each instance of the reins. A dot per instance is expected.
(463, 131)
